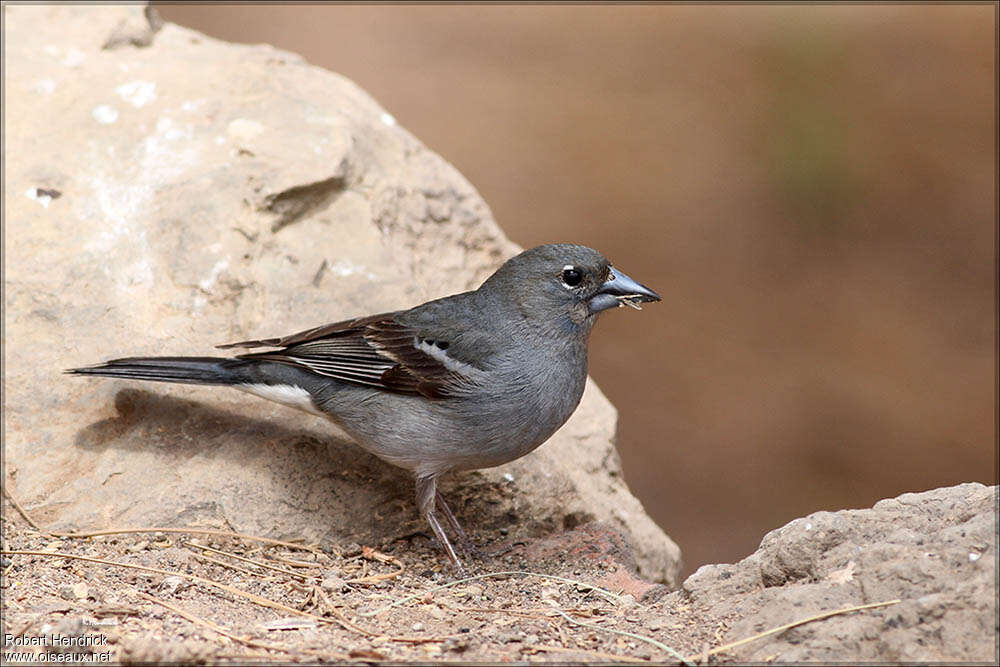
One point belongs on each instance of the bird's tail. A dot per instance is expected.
(184, 370)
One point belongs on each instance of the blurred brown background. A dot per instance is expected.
(811, 189)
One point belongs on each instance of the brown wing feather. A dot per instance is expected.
(375, 351)
(336, 329)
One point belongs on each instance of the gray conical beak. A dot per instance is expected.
(620, 290)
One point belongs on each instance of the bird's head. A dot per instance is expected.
(560, 283)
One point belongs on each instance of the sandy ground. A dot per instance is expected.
(191, 598)
(914, 588)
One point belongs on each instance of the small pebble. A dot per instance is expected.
(333, 583)
(170, 584)
(138, 546)
(417, 627)
(456, 645)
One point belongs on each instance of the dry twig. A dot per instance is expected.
(20, 510)
(252, 643)
(580, 584)
(596, 654)
(257, 599)
(372, 554)
(788, 626)
(290, 573)
(328, 604)
(293, 563)
(192, 531)
(229, 566)
(624, 633)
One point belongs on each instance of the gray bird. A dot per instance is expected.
(464, 382)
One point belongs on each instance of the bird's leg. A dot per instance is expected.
(467, 545)
(426, 493)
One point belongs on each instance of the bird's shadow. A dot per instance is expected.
(325, 485)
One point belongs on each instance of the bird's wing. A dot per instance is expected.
(377, 351)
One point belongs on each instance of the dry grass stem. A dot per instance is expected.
(374, 578)
(20, 510)
(624, 633)
(229, 566)
(371, 554)
(781, 628)
(580, 584)
(293, 563)
(290, 573)
(191, 531)
(246, 641)
(256, 599)
(328, 604)
(611, 657)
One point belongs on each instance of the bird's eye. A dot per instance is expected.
(571, 276)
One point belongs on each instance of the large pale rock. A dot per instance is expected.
(935, 552)
(166, 192)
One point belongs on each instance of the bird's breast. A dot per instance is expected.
(522, 408)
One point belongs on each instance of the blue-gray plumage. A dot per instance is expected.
(469, 381)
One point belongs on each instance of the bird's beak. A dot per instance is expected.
(620, 290)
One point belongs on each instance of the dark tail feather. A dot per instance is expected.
(185, 370)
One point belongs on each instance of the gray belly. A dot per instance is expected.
(455, 433)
